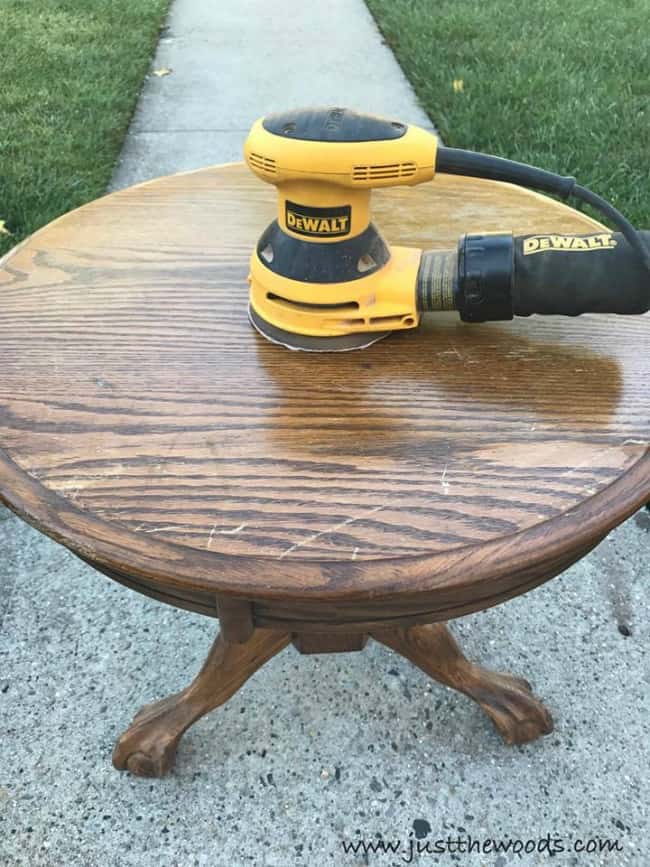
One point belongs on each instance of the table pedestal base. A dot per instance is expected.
(148, 747)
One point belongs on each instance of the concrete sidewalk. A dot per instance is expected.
(313, 752)
(233, 62)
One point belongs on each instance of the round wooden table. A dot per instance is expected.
(313, 499)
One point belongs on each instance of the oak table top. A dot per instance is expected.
(142, 420)
(145, 425)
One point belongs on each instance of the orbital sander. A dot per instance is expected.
(322, 277)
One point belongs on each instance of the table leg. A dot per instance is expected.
(148, 747)
(508, 700)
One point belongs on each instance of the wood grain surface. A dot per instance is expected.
(144, 424)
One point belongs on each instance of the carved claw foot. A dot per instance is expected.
(519, 716)
(148, 747)
(508, 701)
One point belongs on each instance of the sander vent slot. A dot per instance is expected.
(391, 320)
(383, 172)
(264, 164)
(310, 308)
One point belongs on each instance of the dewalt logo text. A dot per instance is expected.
(318, 222)
(574, 243)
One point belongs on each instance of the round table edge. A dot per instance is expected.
(507, 562)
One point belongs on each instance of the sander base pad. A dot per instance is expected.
(309, 343)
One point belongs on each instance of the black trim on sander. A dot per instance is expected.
(319, 261)
(483, 291)
(332, 124)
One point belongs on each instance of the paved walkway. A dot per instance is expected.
(315, 751)
(233, 62)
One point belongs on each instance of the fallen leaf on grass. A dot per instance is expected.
(3, 229)
(164, 70)
(458, 84)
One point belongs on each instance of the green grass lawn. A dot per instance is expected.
(565, 86)
(71, 72)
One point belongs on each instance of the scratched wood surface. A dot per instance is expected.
(147, 426)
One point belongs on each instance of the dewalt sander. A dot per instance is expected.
(323, 278)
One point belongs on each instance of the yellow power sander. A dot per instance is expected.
(322, 278)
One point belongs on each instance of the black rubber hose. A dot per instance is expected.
(633, 236)
(455, 161)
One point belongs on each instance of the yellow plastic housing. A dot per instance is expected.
(276, 159)
(329, 174)
(383, 301)
(324, 192)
